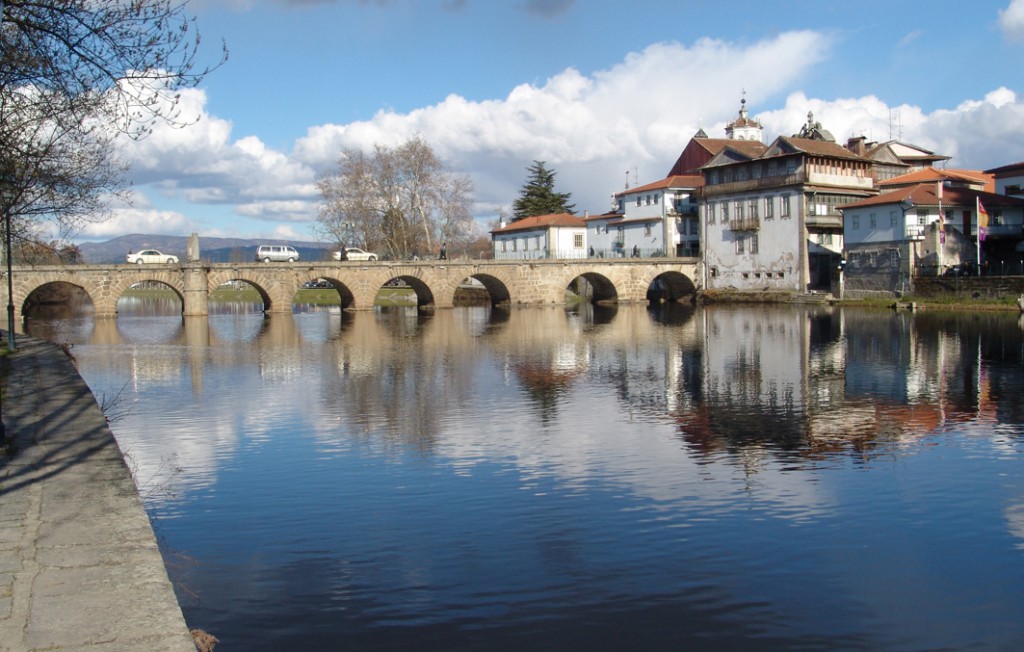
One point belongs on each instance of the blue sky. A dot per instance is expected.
(592, 87)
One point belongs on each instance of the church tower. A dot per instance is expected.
(743, 128)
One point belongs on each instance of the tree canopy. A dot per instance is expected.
(399, 201)
(74, 75)
(538, 196)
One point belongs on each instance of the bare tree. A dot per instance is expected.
(402, 201)
(74, 74)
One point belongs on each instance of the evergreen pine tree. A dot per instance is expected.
(538, 196)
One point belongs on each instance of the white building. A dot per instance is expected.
(928, 229)
(656, 219)
(1009, 179)
(771, 220)
(560, 235)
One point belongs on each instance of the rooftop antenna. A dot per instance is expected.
(899, 126)
(627, 179)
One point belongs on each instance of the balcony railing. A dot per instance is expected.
(745, 224)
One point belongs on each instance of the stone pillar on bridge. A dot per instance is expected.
(197, 291)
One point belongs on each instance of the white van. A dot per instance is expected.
(276, 253)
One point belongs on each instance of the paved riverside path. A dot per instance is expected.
(79, 564)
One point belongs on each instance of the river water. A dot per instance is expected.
(605, 479)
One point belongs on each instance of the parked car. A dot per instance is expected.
(355, 253)
(276, 254)
(150, 256)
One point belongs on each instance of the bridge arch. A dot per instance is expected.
(269, 290)
(593, 287)
(55, 297)
(670, 287)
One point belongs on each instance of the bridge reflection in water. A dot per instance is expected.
(435, 283)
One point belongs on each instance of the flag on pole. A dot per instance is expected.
(982, 221)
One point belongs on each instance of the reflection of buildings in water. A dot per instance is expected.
(853, 380)
(1015, 522)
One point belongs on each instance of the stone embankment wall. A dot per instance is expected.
(974, 287)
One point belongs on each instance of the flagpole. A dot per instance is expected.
(977, 240)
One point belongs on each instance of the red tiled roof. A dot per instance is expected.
(542, 222)
(818, 148)
(926, 194)
(925, 175)
(674, 181)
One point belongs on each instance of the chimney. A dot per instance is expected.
(856, 145)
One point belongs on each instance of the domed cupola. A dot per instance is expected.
(743, 127)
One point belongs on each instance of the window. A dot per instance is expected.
(597, 229)
(892, 219)
(856, 222)
(739, 245)
(769, 208)
(577, 240)
(639, 200)
(753, 243)
(725, 212)
(655, 200)
(872, 221)
(648, 200)
(739, 210)
(709, 209)
(536, 242)
(647, 229)
(515, 244)
(825, 239)
(752, 207)
(503, 246)
(997, 217)
(784, 206)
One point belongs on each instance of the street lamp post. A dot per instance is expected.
(7, 197)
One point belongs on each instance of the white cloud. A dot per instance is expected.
(636, 115)
(1011, 20)
(639, 113)
(199, 163)
(130, 220)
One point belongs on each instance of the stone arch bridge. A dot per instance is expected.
(521, 282)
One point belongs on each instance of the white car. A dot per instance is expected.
(151, 256)
(355, 253)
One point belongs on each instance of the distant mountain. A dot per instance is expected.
(214, 250)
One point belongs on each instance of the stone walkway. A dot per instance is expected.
(79, 564)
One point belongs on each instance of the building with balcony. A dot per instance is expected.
(655, 219)
(929, 229)
(560, 235)
(771, 220)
